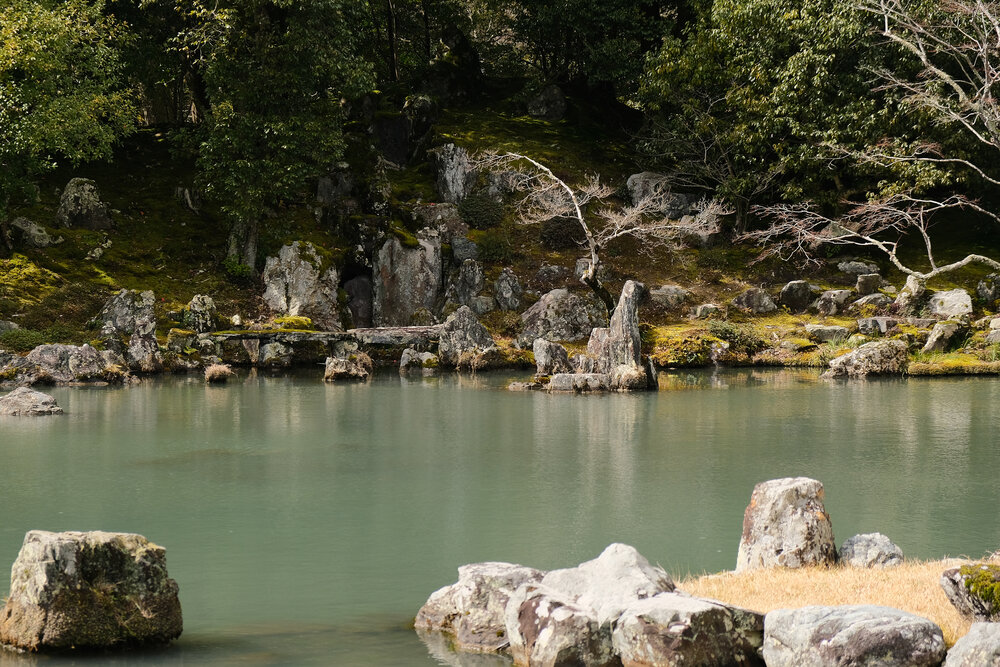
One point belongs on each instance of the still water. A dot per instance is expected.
(307, 522)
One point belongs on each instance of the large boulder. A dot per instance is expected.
(143, 354)
(832, 302)
(28, 402)
(66, 363)
(466, 284)
(980, 647)
(92, 590)
(456, 175)
(561, 315)
(550, 357)
(755, 300)
(676, 629)
(616, 350)
(951, 303)
(648, 184)
(850, 635)
(507, 290)
(472, 609)
(464, 342)
(669, 297)
(548, 629)
(870, 550)
(880, 357)
(126, 313)
(786, 525)
(200, 314)
(80, 206)
(407, 279)
(971, 589)
(943, 335)
(796, 296)
(610, 583)
(27, 234)
(297, 283)
(827, 333)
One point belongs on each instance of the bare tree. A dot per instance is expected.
(799, 230)
(544, 196)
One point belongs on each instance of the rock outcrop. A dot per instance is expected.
(756, 301)
(616, 350)
(24, 402)
(465, 343)
(870, 550)
(507, 290)
(550, 358)
(456, 174)
(297, 283)
(970, 589)
(200, 314)
(880, 357)
(850, 635)
(561, 315)
(92, 590)
(80, 205)
(796, 296)
(786, 525)
(407, 280)
(128, 312)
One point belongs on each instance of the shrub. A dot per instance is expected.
(741, 338)
(21, 340)
(480, 212)
(495, 248)
(237, 272)
(561, 234)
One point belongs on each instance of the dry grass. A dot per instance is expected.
(912, 587)
(218, 373)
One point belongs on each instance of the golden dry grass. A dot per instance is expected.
(912, 587)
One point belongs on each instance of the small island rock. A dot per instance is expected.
(28, 402)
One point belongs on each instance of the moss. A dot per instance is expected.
(503, 323)
(683, 351)
(407, 238)
(23, 282)
(983, 581)
(294, 323)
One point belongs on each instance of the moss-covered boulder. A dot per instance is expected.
(974, 590)
(88, 591)
(80, 206)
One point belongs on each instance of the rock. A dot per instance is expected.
(957, 583)
(868, 283)
(188, 198)
(463, 249)
(126, 313)
(355, 366)
(944, 335)
(200, 314)
(669, 297)
(755, 300)
(850, 635)
(651, 184)
(988, 290)
(92, 590)
(617, 351)
(456, 175)
(6, 325)
(179, 340)
(993, 337)
(827, 333)
(561, 315)
(870, 550)
(877, 301)
(876, 326)
(472, 609)
(407, 279)
(911, 298)
(468, 283)
(442, 217)
(707, 310)
(64, 363)
(80, 206)
(786, 525)
(464, 341)
(676, 629)
(980, 647)
(359, 300)
(27, 234)
(296, 283)
(796, 296)
(275, 355)
(411, 359)
(579, 382)
(143, 354)
(880, 357)
(618, 578)
(549, 103)
(833, 301)
(858, 267)
(547, 629)
(952, 303)
(550, 358)
(507, 290)
(28, 402)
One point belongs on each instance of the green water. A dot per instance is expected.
(306, 523)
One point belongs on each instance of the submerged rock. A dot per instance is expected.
(28, 403)
(89, 590)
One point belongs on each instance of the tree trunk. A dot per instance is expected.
(390, 21)
(6, 243)
(425, 10)
(242, 245)
(590, 279)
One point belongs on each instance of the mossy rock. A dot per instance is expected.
(294, 323)
(682, 352)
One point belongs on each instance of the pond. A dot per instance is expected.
(307, 522)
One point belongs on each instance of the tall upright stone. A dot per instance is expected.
(407, 279)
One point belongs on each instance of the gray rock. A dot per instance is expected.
(579, 382)
(27, 234)
(62, 363)
(200, 314)
(407, 280)
(507, 290)
(676, 629)
(80, 206)
(870, 550)
(911, 298)
(463, 249)
(560, 315)
(179, 340)
(651, 184)
(993, 337)
(877, 300)
(755, 300)
(980, 647)
(582, 363)
(850, 635)
(952, 303)
(796, 296)
(988, 289)
(832, 302)
(707, 310)
(827, 333)
(456, 175)
(412, 360)
(275, 355)
(7, 326)
(944, 335)
(549, 103)
(297, 283)
(876, 326)
(468, 282)
(669, 297)
(955, 583)
(858, 267)
(143, 354)
(92, 590)
(442, 217)
(359, 300)
(126, 313)
(617, 349)
(868, 283)
(550, 358)
(354, 366)
(786, 525)
(472, 609)
(464, 342)
(607, 585)
(880, 357)
(547, 629)
(28, 403)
